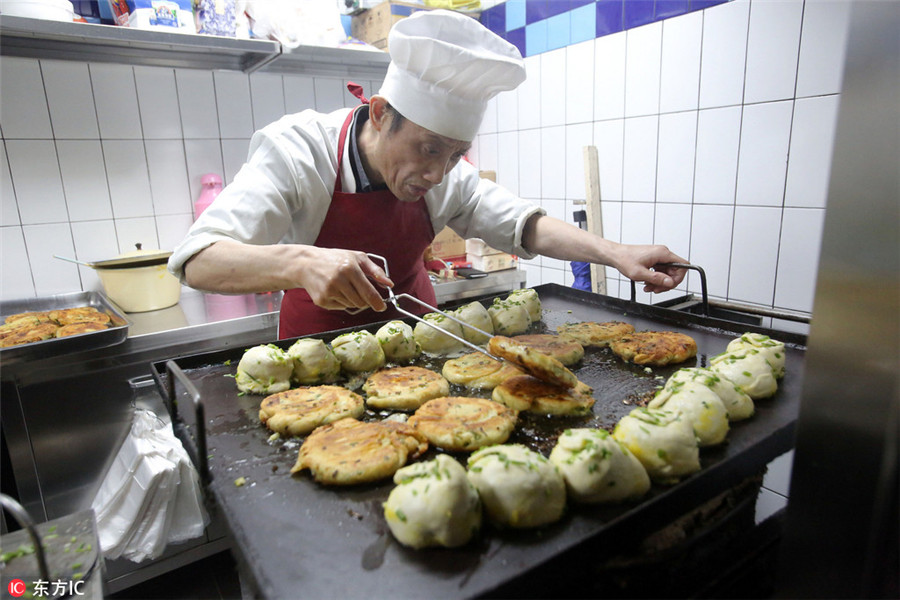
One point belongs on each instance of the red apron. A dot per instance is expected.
(375, 222)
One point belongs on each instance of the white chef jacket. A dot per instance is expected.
(283, 191)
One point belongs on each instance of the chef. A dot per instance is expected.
(320, 191)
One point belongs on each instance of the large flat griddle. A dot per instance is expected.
(296, 538)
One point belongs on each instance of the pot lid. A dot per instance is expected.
(134, 258)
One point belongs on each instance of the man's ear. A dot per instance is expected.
(378, 114)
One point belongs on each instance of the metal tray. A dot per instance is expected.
(293, 536)
(115, 334)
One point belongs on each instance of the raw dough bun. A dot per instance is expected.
(662, 440)
(749, 370)
(509, 318)
(314, 362)
(597, 468)
(397, 341)
(738, 404)
(530, 300)
(475, 314)
(702, 407)
(358, 351)
(772, 349)
(264, 369)
(432, 340)
(518, 487)
(433, 504)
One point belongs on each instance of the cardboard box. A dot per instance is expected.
(479, 248)
(373, 25)
(447, 244)
(493, 262)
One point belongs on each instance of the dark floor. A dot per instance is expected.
(213, 578)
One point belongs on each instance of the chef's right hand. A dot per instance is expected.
(343, 279)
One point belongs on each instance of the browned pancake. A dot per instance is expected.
(462, 424)
(545, 368)
(299, 411)
(27, 334)
(33, 318)
(79, 328)
(404, 388)
(349, 452)
(80, 314)
(478, 371)
(596, 335)
(568, 351)
(655, 348)
(526, 393)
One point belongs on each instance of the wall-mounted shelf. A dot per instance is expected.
(37, 38)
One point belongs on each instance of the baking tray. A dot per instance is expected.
(115, 334)
(292, 536)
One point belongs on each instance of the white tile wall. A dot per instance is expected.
(196, 95)
(718, 140)
(754, 254)
(529, 95)
(731, 118)
(773, 45)
(822, 47)
(115, 96)
(553, 162)
(158, 102)
(579, 82)
(267, 97)
(675, 160)
(679, 83)
(642, 69)
(529, 163)
(639, 162)
(553, 88)
(98, 157)
(24, 113)
(70, 100)
(233, 104)
(578, 136)
(762, 162)
(609, 77)
(9, 212)
(812, 140)
(723, 54)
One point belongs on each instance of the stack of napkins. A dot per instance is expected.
(151, 495)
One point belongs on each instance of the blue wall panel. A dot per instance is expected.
(536, 26)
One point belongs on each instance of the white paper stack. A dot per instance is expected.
(151, 495)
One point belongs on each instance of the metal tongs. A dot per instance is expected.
(395, 300)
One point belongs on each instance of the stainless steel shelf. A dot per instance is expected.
(37, 38)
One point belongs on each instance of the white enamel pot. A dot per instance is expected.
(138, 281)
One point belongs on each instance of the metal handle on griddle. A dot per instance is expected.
(24, 519)
(173, 372)
(703, 292)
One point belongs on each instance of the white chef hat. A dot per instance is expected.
(444, 68)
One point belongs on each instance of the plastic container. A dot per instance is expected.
(212, 185)
(52, 10)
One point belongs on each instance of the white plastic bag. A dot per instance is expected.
(151, 495)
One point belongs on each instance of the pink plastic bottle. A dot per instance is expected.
(212, 185)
